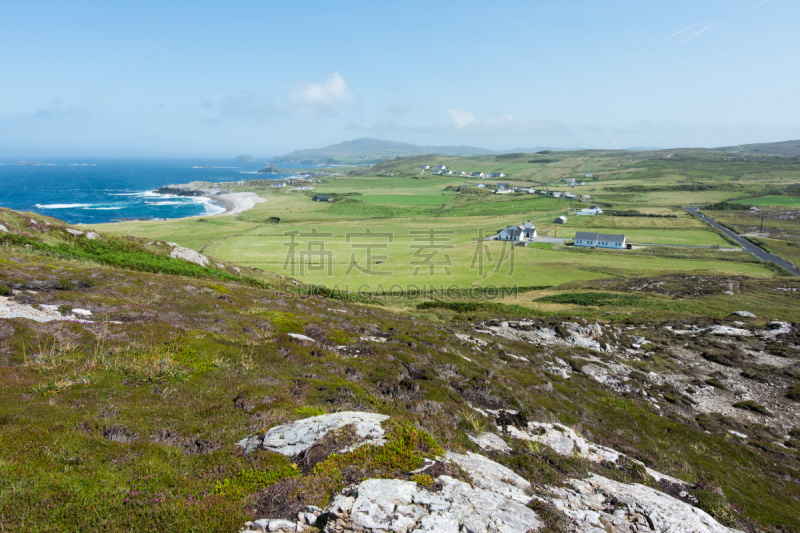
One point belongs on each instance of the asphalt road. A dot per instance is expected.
(747, 245)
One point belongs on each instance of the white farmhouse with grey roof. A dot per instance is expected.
(528, 230)
(590, 211)
(599, 240)
(511, 233)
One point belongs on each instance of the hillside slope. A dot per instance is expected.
(787, 148)
(369, 150)
(143, 392)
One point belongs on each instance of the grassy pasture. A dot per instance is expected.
(772, 201)
(406, 199)
(657, 183)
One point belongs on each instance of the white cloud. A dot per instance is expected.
(313, 98)
(461, 118)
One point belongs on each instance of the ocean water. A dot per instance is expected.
(93, 191)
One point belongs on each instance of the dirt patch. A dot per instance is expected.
(240, 402)
(482, 397)
(405, 389)
(281, 500)
(119, 434)
(333, 442)
(191, 446)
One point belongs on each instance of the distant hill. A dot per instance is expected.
(790, 148)
(369, 150)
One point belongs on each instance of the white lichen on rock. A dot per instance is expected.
(297, 437)
(597, 502)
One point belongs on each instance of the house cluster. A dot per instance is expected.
(567, 195)
(300, 183)
(522, 233)
(590, 211)
(442, 170)
(600, 240)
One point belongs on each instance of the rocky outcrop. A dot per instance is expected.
(495, 498)
(564, 441)
(297, 437)
(490, 442)
(566, 334)
(187, 254)
(43, 314)
(403, 506)
(598, 502)
(3, 229)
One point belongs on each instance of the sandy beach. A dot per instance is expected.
(233, 202)
(236, 202)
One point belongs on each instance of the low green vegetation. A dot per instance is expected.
(599, 299)
(772, 201)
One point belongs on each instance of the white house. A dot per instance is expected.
(599, 240)
(583, 183)
(441, 167)
(569, 195)
(504, 191)
(496, 175)
(528, 230)
(588, 175)
(511, 233)
(279, 184)
(426, 167)
(481, 186)
(560, 220)
(463, 173)
(502, 185)
(439, 172)
(478, 175)
(590, 211)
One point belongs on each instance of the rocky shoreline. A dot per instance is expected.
(233, 202)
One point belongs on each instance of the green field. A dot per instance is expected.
(652, 185)
(404, 199)
(787, 201)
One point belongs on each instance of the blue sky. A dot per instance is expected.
(213, 78)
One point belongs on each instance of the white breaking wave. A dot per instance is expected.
(167, 203)
(210, 207)
(104, 208)
(61, 206)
